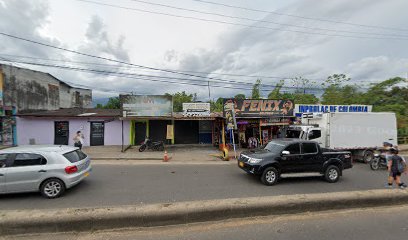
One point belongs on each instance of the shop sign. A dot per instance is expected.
(170, 131)
(229, 113)
(261, 107)
(275, 121)
(196, 109)
(314, 108)
(146, 105)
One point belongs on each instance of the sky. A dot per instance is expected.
(282, 39)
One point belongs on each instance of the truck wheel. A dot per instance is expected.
(368, 156)
(332, 174)
(270, 176)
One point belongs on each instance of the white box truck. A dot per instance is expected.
(359, 133)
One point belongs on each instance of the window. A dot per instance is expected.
(75, 156)
(314, 134)
(294, 148)
(309, 148)
(28, 159)
(3, 158)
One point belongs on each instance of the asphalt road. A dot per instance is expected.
(379, 223)
(112, 185)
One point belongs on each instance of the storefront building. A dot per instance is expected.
(99, 127)
(256, 122)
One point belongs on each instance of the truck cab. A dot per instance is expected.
(306, 132)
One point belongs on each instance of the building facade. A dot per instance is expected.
(24, 90)
(98, 126)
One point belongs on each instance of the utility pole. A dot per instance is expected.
(209, 92)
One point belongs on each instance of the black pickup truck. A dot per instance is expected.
(294, 156)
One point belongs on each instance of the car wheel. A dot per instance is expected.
(368, 156)
(270, 176)
(332, 174)
(52, 188)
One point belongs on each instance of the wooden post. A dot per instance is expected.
(223, 134)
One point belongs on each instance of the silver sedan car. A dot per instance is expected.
(47, 169)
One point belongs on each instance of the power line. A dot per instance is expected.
(164, 77)
(184, 71)
(259, 20)
(153, 78)
(98, 57)
(242, 25)
(302, 17)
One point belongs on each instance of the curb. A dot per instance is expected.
(93, 219)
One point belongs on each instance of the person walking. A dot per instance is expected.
(78, 139)
(396, 166)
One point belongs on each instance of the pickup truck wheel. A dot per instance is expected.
(270, 176)
(332, 174)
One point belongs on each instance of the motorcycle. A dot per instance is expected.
(149, 144)
(378, 162)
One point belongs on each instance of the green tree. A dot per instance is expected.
(113, 103)
(217, 106)
(275, 93)
(181, 97)
(338, 93)
(256, 92)
(297, 97)
(240, 96)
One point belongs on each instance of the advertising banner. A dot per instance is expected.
(261, 107)
(229, 112)
(314, 108)
(146, 105)
(196, 109)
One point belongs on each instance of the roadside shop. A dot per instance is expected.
(258, 121)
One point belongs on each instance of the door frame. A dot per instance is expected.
(90, 133)
(55, 133)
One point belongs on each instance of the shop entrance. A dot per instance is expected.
(61, 133)
(97, 134)
(140, 132)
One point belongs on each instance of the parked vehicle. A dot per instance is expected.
(379, 162)
(294, 156)
(47, 169)
(359, 133)
(149, 144)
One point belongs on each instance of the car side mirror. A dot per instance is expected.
(285, 152)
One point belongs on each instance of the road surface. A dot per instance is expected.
(113, 185)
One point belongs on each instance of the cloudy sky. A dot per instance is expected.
(365, 39)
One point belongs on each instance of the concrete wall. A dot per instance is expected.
(84, 100)
(42, 130)
(65, 96)
(33, 90)
(29, 90)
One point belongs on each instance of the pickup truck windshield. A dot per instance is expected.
(274, 147)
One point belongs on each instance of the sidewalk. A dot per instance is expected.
(185, 153)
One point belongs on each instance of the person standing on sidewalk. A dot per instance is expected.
(78, 139)
(396, 166)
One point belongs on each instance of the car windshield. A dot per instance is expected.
(274, 147)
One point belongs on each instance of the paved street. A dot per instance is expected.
(379, 223)
(111, 185)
